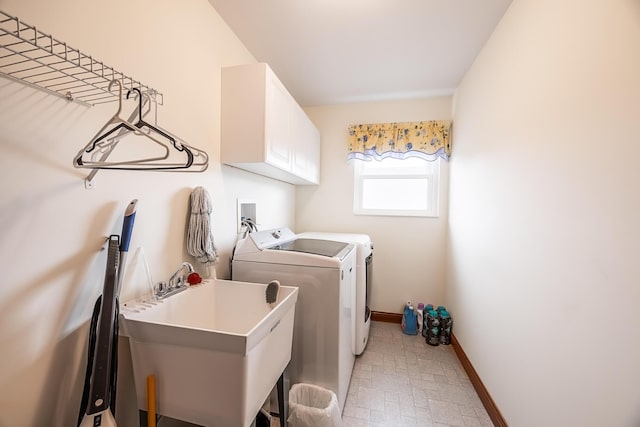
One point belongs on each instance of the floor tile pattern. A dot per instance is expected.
(400, 381)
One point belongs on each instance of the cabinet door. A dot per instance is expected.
(278, 147)
(306, 140)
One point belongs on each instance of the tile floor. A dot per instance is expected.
(401, 381)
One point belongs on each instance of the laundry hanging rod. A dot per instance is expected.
(39, 60)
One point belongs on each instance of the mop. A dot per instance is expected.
(199, 238)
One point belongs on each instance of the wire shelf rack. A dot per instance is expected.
(37, 59)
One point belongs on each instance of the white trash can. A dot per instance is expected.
(313, 406)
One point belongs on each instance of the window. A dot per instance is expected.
(396, 187)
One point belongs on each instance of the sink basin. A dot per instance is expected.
(216, 349)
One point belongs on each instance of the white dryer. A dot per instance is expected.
(324, 272)
(364, 276)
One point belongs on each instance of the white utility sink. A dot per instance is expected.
(216, 349)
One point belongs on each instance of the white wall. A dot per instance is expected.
(52, 228)
(542, 268)
(405, 267)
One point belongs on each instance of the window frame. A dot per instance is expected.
(432, 175)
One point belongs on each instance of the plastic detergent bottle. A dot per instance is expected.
(433, 328)
(409, 322)
(419, 314)
(445, 327)
(425, 314)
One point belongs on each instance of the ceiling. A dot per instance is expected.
(344, 51)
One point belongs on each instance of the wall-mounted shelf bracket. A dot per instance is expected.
(39, 60)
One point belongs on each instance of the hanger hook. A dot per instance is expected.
(119, 93)
(139, 101)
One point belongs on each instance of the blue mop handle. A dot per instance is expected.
(127, 226)
(125, 239)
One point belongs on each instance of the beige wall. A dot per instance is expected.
(52, 228)
(542, 268)
(409, 257)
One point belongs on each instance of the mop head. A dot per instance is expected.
(199, 238)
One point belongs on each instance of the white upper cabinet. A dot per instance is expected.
(306, 138)
(264, 130)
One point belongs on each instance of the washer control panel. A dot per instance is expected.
(269, 238)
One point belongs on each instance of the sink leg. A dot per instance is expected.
(143, 418)
(283, 406)
(283, 402)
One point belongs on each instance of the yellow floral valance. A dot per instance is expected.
(427, 140)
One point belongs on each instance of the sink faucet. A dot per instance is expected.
(178, 279)
(177, 282)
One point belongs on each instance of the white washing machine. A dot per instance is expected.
(364, 264)
(324, 272)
